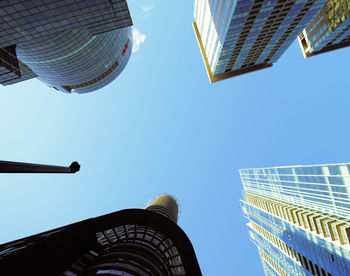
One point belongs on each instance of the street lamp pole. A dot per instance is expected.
(18, 167)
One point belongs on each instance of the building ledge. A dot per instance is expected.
(227, 75)
(324, 50)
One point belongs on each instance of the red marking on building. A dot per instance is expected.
(126, 48)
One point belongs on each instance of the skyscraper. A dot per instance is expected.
(241, 36)
(73, 46)
(131, 242)
(330, 29)
(299, 218)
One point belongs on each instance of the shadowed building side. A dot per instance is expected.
(129, 242)
(136, 256)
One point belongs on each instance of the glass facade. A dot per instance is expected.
(243, 34)
(299, 218)
(75, 60)
(330, 29)
(23, 20)
(212, 18)
(73, 46)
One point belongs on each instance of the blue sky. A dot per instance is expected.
(161, 127)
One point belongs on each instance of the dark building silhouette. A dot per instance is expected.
(73, 46)
(131, 242)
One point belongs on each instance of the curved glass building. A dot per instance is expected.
(73, 46)
(77, 61)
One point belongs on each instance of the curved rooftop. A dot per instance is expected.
(77, 61)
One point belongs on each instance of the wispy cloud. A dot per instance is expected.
(138, 39)
(147, 8)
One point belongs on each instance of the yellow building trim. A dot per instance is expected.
(314, 221)
(317, 229)
(329, 224)
(340, 234)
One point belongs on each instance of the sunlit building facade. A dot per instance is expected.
(131, 242)
(299, 218)
(329, 30)
(241, 36)
(73, 46)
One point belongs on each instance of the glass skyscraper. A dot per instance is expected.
(330, 29)
(241, 36)
(299, 218)
(73, 46)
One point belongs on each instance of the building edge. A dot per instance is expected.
(325, 49)
(227, 75)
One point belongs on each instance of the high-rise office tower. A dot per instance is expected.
(241, 36)
(330, 29)
(73, 46)
(131, 242)
(299, 218)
